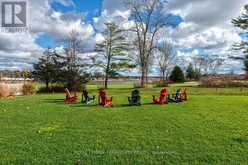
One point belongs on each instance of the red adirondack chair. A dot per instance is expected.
(69, 98)
(103, 99)
(162, 98)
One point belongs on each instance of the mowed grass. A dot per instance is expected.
(211, 128)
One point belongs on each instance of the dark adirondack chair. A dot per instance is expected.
(162, 98)
(86, 98)
(135, 98)
(103, 99)
(69, 98)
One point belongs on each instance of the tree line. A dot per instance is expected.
(117, 53)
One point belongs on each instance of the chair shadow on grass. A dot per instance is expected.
(93, 105)
(72, 105)
(54, 101)
(131, 106)
(80, 105)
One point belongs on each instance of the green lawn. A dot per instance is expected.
(211, 128)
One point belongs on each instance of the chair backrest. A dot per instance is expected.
(85, 93)
(163, 94)
(102, 95)
(135, 93)
(184, 94)
(67, 92)
(178, 92)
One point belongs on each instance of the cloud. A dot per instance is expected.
(46, 20)
(207, 26)
(208, 12)
(42, 19)
(121, 18)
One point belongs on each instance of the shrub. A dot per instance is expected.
(52, 89)
(210, 82)
(4, 90)
(29, 89)
(161, 84)
(58, 88)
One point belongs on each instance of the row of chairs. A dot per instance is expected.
(165, 97)
(135, 99)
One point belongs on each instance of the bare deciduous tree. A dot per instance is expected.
(208, 64)
(149, 17)
(214, 64)
(165, 58)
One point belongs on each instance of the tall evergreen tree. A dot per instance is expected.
(177, 75)
(46, 69)
(242, 23)
(71, 73)
(112, 52)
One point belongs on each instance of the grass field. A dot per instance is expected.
(211, 128)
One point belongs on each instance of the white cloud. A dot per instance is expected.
(99, 38)
(42, 19)
(117, 16)
(207, 25)
(207, 12)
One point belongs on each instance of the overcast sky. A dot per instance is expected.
(200, 27)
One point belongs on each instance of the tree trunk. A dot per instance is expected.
(147, 72)
(146, 77)
(106, 81)
(142, 83)
(163, 76)
(47, 85)
(107, 75)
